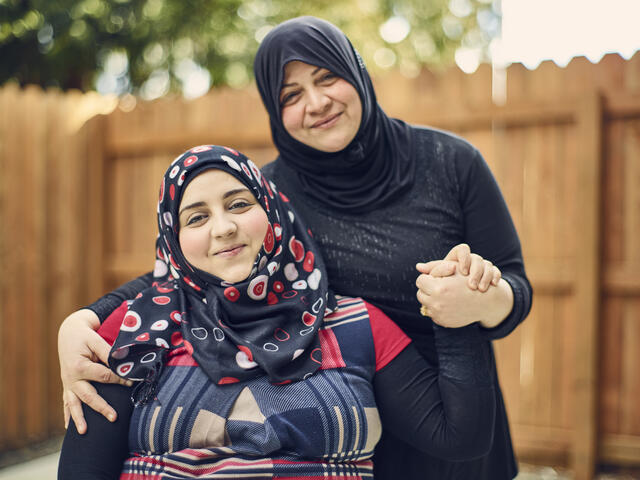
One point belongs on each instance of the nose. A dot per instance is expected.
(318, 101)
(223, 226)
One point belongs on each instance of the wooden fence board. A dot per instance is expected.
(587, 281)
(11, 387)
(611, 333)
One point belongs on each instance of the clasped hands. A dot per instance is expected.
(460, 289)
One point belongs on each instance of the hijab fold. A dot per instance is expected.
(377, 166)
(266, 324)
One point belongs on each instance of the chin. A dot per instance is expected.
(236, 277)
(332, 147)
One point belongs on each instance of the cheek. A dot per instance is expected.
(350, 97)
(257, 225)
(291, 119)
(357, 108)
(193, 244)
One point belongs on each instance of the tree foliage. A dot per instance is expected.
(153, 46)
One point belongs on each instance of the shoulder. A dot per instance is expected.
(446, 156)
(443, 144)
(271, 169)
(349, 310)
(367, 325)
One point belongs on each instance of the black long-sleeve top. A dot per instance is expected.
(454, 199)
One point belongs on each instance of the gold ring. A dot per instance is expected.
(423, 311)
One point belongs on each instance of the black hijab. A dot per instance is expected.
(377, 166)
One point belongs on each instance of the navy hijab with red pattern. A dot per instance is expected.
(264, 325)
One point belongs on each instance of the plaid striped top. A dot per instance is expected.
(324, 427)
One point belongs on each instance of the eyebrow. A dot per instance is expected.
(317, 69)
(190, 206)
(226, 195)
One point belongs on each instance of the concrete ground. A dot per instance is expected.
(42, 468)
(46, 467)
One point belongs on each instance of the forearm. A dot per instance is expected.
(446, 411)
(490, 232)
(112, 300)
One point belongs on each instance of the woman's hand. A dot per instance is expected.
(463, 288)
(452, 304)
(481, 273)
(79, 349)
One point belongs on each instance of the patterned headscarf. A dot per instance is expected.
(264, 325)
(377, 167)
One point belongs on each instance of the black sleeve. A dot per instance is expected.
(100, 453)
(447, 412)
(109, 302)
(490, 232)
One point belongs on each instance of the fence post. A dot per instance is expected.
(589, 131)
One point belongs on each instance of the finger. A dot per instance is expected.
(475, 271)
(444, 268)
(73, 405)
(487, 276)
(67, 414)
(426, 267)
(101, 348)
(462, 254)
(99, 373)
(424, 283)
(423, 299)
(497, 275)
(87, 394)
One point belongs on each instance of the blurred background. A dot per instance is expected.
(98, 96)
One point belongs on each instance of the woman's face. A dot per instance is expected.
(222, 226)
(319, 108)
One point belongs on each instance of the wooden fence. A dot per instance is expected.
(45, 167)
(78, 218)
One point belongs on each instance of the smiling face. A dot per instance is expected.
(319, 108)
(222, 226)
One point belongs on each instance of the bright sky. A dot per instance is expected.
(536, 30)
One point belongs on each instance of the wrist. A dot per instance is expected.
(501, 303)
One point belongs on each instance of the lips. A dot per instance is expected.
(327, 121)
(230, 251)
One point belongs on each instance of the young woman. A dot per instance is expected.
(380, 196)
(246, 363)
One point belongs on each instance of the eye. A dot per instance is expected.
(328, 77)
(240, 205)
(196, 218)
(288, 98)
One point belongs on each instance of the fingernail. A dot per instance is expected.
(112, 417)
(474, 284)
